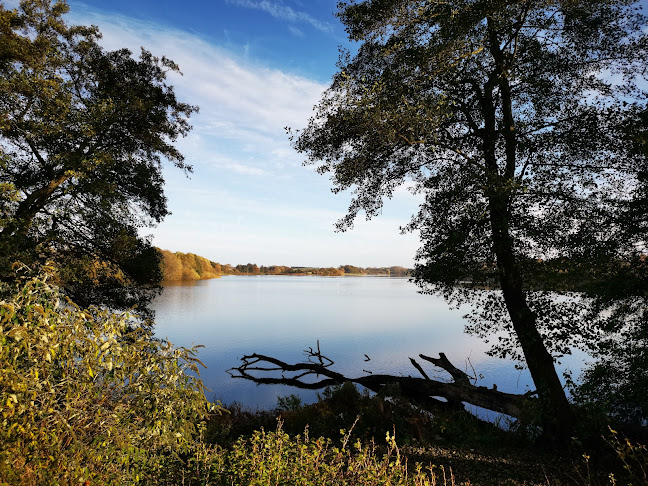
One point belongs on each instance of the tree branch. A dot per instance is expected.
(316, 373)
(443, 362)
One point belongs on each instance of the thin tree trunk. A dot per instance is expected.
(557, 418)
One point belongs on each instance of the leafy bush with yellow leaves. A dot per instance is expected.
(88, 395)
(276, 458)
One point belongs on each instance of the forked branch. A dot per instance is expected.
(316, 373)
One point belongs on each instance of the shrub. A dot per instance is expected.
(633, 456)
(88, 395)
(275, 458)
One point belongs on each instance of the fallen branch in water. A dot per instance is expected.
(316, 373)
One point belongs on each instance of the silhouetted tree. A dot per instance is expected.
(83, 135)
(507, 116)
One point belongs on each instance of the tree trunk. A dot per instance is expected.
(557, 418)
(29, 207)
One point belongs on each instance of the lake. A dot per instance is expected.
(280, 316)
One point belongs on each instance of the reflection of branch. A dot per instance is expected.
(300, 370)
(316, 373)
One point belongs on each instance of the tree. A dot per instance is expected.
(508, 117)
(83, 135)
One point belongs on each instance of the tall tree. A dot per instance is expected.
(507, 116)
(83, 135)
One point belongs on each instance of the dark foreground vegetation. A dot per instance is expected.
(454, 445)
(497, 111)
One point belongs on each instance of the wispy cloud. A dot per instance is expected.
(249, 199)
(296, 32)
(240, 103)
(283, 12)
(245, 169)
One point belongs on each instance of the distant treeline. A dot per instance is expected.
(188, 266)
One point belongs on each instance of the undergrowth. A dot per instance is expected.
(338, 406)
(276, 458)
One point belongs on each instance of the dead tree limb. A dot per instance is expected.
(316, 373)
(443, 362)
(419, 368)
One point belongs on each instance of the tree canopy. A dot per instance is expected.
(83, 135)
(518, 123)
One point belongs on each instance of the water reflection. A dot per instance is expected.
(280, 316)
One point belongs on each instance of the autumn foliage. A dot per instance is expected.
(87, 395)
(188, 266)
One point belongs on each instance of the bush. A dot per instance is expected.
(634, 457)
(275, 458)
(88, 395)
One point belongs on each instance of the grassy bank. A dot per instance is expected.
(452, 447)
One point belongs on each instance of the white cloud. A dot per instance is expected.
(241, 104)
(296, 32)
(245, 169)
(249, 198)
(234, 96)
(322, 218)
(282, 12)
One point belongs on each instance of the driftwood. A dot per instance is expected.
(316, 373)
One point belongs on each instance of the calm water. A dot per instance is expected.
(280, 316)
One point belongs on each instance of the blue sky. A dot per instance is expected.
(253, 67)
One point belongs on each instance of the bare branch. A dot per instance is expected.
(418, 367)
(443, 362)
(316, 374)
